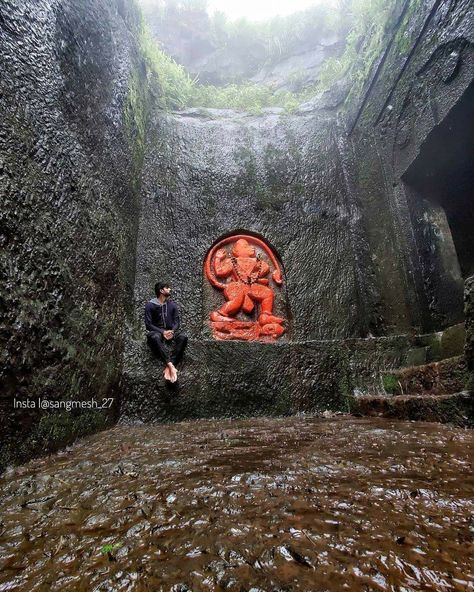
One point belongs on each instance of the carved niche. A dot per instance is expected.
(246, 272)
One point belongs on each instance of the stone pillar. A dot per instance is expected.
(469, 312)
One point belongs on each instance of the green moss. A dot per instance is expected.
(282, 405)
(404, 38)
(456, 411)
(390, 383)
(135, 116)
(345, 388)
(57, 429)
(433, 343)
(135, 108)
(453, 340)
(54, 430)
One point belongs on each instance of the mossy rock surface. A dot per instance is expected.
(457, 408)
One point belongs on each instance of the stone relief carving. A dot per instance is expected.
(247, 272)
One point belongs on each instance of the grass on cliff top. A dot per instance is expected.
(370, 22)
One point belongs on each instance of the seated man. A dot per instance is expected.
(162, 324)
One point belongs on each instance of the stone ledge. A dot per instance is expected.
(437, 378)
(241, 379)
(456, 408)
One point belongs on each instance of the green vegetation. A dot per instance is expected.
(135, 114)
(110, 548)
(469, 384)
(53, 430)
(58, 429)
(390, 384)
(177, 90)
(248, 97)
(367, 22)
(372, 20)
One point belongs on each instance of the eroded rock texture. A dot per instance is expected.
(69, 162)
(280, 177)
(469, 311)
(299, 503)
(343, 189)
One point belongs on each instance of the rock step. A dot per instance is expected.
(445, 377)
(456, 408)
(433, 347)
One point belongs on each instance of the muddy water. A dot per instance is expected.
(262, 505)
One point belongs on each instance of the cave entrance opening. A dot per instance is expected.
(441, 194)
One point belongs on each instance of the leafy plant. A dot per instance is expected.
(110, 548)
(390, 383)
(175, 85)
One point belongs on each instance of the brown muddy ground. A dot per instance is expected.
(286, 504)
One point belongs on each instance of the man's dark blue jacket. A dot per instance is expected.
(161, 317)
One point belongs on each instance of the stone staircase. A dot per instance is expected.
(428, 392)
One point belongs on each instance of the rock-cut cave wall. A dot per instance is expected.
(278, 176)
(69, 161)
(412, 131)
(366, 258)
(102, 195)
(288, 179)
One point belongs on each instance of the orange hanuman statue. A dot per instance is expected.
(247, 287)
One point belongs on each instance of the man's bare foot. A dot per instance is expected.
(171, 371)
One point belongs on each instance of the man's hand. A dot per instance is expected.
(168, 334)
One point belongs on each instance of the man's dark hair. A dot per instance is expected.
(159, 286)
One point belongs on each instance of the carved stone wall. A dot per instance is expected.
(209, 174)
(413, 91)
(336, 188)
(329, 188)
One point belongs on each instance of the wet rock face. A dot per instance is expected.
(293, 504)
(469, 311)
(209, 174)
(241, 379)
(302, 69)
(294, 72)
(359, 254)
(414, 165)
(279, 177)
(68, 210)
(343, 214)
